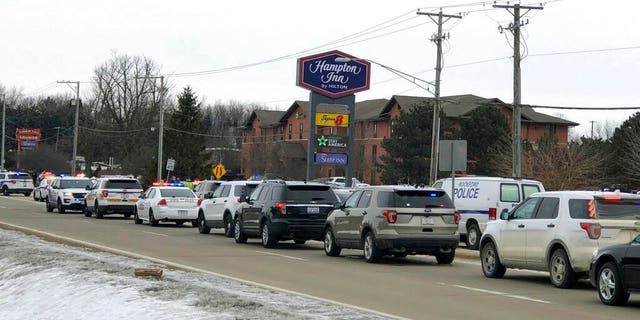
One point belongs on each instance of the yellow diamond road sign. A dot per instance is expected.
(219, 171)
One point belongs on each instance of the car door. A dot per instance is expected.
(540, 232)
(342, 224)
(631, 265)
(251, 213)
(144, 203)
(52, 193)
(512, 243)
(215, 205)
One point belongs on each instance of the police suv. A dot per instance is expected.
(480, 199)
(16, 182)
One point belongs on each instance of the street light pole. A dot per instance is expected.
(4, 120)
(75, 126)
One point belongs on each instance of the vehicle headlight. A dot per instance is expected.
(68, 194)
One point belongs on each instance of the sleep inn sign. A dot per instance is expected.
(333, 74)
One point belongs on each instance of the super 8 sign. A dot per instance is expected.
(332, 119)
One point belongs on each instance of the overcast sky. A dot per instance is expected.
(579, 53)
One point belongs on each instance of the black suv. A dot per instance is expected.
(285, 210)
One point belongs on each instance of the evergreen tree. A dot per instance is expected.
(625, 158)
(409, 146)
(486, 131)
(184, 138)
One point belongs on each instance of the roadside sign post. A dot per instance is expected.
(171, 163)
(219, 171)
(452, 156)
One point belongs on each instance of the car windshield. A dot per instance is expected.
(310, 193)
(618, 209)
(414, 199)
(74, 183)
(123, 184)
(18, 176)
(176, 193)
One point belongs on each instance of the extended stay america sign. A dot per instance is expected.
(333, 74)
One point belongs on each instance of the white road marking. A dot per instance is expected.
(497, 293)
(282, 255)
(157, 234)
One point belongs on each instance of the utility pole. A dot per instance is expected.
(75, 126)
(57, 136)
(592, 122)
(435, 133)
(161, 125)
(514, 27)
(4, 120)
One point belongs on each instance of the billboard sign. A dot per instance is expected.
(332, 119)
(333, 74)
(331, 158)
(328, 141)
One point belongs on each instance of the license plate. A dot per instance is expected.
(426, 220)
(182, 212)
(313, 210)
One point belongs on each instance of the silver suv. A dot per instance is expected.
(394, 220)
(112, 194)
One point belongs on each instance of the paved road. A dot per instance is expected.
(414, 287)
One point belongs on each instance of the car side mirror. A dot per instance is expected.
(208, 195)
(504, 215)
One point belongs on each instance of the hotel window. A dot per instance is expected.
(301, 128)
(290, 131)
(375, 129)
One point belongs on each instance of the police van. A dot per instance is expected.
(480, 199)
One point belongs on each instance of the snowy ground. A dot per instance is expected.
(47, 280)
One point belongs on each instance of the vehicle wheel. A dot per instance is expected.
(473, 237)
(491, 265)
(371, 253)
(268, 240)
(562, 275)
(610, 288)
(202, 227)
(299, 241)
(49, 206)
(86, 211)
(152, 220)
(5, 190)
(99, 212)
(60, 207)
(35, 198)
(238, 235)
(26, 194)
(228, 225)
(446, 258)
(136, 218)
(330, 247)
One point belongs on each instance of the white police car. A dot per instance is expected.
(167, 203)
(16, 182)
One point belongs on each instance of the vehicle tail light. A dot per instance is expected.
(162, 202)
(456, 217)
(13, 181)
(493, 212)
(199, 202)
(593, 229)
(46, 187)
(282, 208)
(238, 199)
(391, 215)
(105, 193)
